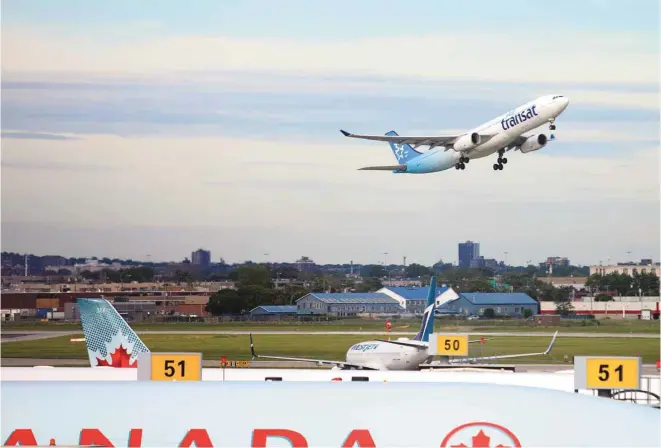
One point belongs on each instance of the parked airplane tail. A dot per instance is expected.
(427, 324)
(110, 340)
(403, 153)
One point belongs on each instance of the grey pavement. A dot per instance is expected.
(648, 369)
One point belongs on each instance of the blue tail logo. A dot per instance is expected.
(427, 325)
(109, 339)
(403, 152)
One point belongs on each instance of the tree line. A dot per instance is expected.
(255, 285)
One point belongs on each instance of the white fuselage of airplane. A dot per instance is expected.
(385, 356)
(506, 130)
(512, 124)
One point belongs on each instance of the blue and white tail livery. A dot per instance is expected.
(403, 152)
(110, 340)
(502, 134)
(427, 324)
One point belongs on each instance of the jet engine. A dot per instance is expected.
(467, 141)
(534, 143)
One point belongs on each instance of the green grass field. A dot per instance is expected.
(236, 347)
(604, 326)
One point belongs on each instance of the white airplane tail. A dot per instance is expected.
(110, 340)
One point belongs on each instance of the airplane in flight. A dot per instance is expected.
(499, 135)
(401, 354)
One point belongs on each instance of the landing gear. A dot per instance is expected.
(461, 165)
(501, 161)
(552, 124)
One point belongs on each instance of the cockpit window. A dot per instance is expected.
(557, 96)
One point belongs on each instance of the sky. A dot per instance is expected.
(147, 130)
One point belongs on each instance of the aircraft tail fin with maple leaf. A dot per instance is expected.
(110, 341)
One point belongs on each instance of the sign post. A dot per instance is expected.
(223, 363)
(607, 372)
(448, 345)
(170, 366)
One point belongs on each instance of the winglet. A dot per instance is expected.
(548, 350)
(252, 348)
(345, 133)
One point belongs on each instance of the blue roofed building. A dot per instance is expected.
(347, 304)
(414, 298)
(474, 303)
(273, 311)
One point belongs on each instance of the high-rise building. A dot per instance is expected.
(201, 257)
(468, 251)
(557, 261)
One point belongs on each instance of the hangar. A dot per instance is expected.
(475, 303)
(270, 312)
(414, 299)
(347, 304)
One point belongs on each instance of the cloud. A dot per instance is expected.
(53, 166)
(555, 56)
(36, 135)
(180, 172)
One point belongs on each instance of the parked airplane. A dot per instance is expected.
(402, 354)
(110, 341)
(499, 135)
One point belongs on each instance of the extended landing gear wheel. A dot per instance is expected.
(462, 166)
(503, 160)
(552, 127)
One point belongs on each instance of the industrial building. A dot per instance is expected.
(414, 299)
(347, 304)
(273, 312)
(475, 303)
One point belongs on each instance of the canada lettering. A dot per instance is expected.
(194, 437)
(515, 119)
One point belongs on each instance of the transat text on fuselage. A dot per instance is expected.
(510, 122)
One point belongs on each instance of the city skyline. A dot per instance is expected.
(122, 136)
(395, 261)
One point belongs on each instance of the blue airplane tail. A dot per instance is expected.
(427, 324)
(403, 153)
(110, 340)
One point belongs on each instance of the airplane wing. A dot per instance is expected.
(415, 141)
(436, 140)
(409, 343)
(318, 361)
(384, 168)
(517, 355)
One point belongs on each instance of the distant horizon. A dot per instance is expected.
(355, 263)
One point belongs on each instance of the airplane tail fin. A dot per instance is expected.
(110, 340)
(427, 324)
(403, 153)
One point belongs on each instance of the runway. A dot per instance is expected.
(648, 369)
(17, 336)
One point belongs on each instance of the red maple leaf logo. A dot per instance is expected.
(480, 439)
(119, 358)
